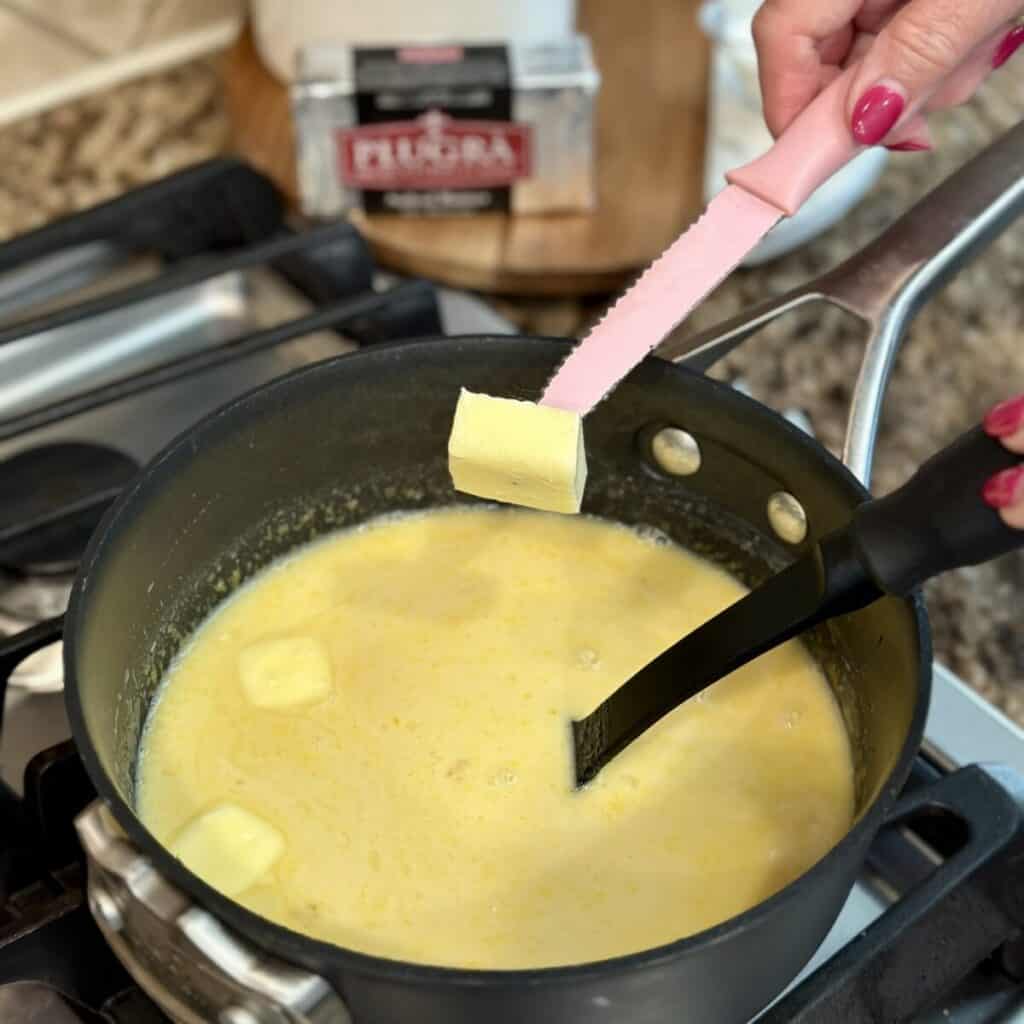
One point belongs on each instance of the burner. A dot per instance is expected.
(28, 600)
(24, 602)
(54, 497)
(33, 1003)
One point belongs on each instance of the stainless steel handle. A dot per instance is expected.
(888, 281)
(925, 247)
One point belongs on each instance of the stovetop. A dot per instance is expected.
(120, 329)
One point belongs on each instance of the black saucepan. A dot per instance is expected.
(366, 434)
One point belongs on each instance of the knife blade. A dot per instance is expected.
(662, 298)
(808, 153)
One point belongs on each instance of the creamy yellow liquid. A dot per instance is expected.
(426, 803)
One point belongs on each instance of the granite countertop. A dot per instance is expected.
(965, 351)
(95, 148)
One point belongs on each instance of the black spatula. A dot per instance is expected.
(937, 521)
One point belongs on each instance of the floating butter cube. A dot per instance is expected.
(228, 848)
(285, 672)
(517, 452)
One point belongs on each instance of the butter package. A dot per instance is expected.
(446, 129)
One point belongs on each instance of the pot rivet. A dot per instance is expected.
(676, 451)
(238, 1015)
(105, 909)
(788, 518)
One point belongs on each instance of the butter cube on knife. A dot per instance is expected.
(517, 452)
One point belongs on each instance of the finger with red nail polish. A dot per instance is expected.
(964, 82)
(1005, 493)
(912, 136)
(1014, 515)
(1005, 490)
(876, 112)
(1006, 423)
(910, 146)
(1008, 46)
(927, 55)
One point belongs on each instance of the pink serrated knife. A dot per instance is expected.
(806, 155)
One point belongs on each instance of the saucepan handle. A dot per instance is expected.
(937, 521)
(941, 929)
(886, 283)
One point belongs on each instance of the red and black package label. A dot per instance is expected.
(434, 131)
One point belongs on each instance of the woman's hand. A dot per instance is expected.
(917, 56)
(1005, 490)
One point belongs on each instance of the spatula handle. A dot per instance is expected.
(937, 521)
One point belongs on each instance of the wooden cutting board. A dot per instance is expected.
(653, 61)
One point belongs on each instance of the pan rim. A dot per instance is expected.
(284, 942)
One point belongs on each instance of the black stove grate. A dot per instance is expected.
(53, 499)
(49, 945)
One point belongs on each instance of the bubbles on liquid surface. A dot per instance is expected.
(653, 535)
(588, 658)
(791, 719)
(504, 776)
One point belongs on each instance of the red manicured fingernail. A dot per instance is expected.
(1005, 488)
(908, 147)
(875, 114)
(1006, 418)
(1012, 42)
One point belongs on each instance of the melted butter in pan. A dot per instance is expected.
(377, 729)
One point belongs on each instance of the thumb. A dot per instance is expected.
(913, 55)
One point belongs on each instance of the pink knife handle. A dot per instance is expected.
(816, 145)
